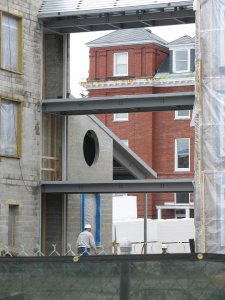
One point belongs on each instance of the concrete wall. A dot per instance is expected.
(53, 224)
(53, 60)
(78, 169)
(19, 178)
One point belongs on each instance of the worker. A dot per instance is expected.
(164, 249)
(85, 241)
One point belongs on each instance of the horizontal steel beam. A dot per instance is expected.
(119, 186)
(119, 104)
(140, 18)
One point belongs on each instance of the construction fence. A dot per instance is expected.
(119, 277)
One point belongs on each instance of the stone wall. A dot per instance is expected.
(19, 178)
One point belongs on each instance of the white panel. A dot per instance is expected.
(121, 205)
(176, 233)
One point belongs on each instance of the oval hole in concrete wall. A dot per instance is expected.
(90, 147)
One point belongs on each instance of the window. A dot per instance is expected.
(12, 225)
(90, 147)
(10, 128)
(120, 64)
(182, 114)
(181, 61)
(182, 154)
(11, 43)
(121, 117)
(182, 198)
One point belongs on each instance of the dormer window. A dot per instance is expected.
(120, 64)
(181, 61)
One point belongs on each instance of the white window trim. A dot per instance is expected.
(176, 157)
(118, 119)
(174, 60)
(175, 200)
(114, 64)
(177, 117)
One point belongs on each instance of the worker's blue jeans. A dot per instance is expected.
(83, 251)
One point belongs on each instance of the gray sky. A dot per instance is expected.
(80, 52)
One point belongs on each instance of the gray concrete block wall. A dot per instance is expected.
(53, 55)
(53, 224)
(78, 169)
(19, 178)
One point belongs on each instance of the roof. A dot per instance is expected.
(90, 15)
(123, 37)
(53, 7)
(184, 40)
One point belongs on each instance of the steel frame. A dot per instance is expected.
(71, 21)
(119, 186)
(118, 104)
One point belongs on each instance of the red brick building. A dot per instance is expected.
(136, 61)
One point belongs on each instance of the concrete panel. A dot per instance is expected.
(78, 169)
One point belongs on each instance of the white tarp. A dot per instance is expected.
(210, 127)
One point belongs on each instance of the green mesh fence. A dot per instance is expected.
(182, 277)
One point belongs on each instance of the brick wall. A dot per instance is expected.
(143, 60)
(150, 135)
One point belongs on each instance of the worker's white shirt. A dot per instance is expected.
(86, 239)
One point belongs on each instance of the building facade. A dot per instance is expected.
(136, 61)
(33, 145)
(38, 147)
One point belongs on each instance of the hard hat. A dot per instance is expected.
(164, 246)
(87, 226)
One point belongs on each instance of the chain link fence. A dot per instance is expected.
(153, 247)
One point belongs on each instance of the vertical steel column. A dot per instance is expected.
(41, 137)
(64, 146)
(145, 222)
(65, 141)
